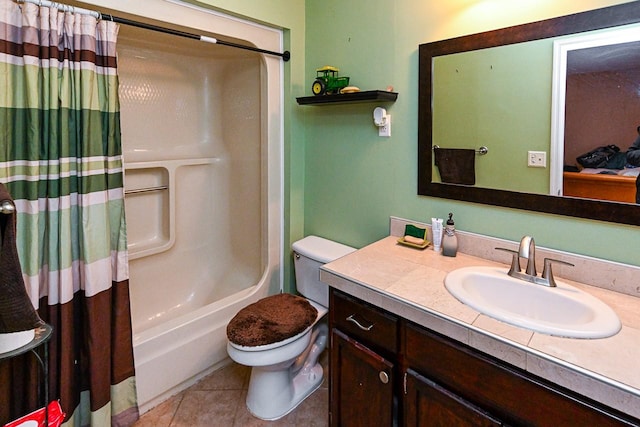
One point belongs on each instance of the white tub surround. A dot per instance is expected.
(203, 154)
(409, 283)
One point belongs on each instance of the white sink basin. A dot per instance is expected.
(563, 310)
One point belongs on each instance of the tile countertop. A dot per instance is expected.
(409, 283)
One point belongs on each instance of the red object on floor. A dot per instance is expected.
(36, 418)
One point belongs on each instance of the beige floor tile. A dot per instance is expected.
(313, 412)
(218, 400)
(245, 419)
(231, 377)
(207, 408)
(161, 415)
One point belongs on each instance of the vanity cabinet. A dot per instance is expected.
(364, 343)
(509, 394)
(428, 404)
(364, 380)
(387, 371)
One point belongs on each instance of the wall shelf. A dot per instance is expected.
(364, 96)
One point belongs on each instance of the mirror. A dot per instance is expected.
(438, 53)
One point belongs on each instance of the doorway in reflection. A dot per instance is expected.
(602, 108)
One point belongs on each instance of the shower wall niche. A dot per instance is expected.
(147, 190)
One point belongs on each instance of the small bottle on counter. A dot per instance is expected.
(450, 240)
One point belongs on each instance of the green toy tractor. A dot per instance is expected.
(327, 81)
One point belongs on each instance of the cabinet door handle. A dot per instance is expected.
(358, 324)
(384, 377)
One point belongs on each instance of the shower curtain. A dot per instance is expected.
(61, 159)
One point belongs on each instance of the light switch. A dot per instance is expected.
(537, 159)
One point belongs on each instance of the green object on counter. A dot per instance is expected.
(413, 231)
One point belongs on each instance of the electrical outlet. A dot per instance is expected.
(536, 159)
(385, 130)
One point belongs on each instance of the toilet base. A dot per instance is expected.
(283, 394)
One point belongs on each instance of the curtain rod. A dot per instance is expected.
(67, 8)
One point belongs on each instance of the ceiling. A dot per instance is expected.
(619, 57)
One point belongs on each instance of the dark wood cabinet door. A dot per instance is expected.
(515, 396)
(428, 404)
(361, 385)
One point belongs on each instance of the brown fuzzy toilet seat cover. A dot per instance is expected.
(270, 320)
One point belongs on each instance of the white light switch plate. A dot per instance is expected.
(537, 159)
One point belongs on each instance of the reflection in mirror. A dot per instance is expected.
(499, 98)
(595, 104)
(517, 123)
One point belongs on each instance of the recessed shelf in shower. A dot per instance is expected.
(147, 205)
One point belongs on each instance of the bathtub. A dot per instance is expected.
(174, 355)
(202, 142)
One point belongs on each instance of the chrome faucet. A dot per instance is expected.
(527, 249)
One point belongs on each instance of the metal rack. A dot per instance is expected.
(42, 336)
(146, 189)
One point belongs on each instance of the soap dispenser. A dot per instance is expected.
(450, 240)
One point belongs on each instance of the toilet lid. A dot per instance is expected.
(270, 320)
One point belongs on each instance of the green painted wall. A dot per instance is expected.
(342, 181)
(509, 112)
(354, 180)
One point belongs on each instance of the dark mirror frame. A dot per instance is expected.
(613, 16)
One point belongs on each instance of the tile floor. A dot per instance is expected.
(218, 400)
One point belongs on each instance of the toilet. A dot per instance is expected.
(282, 336)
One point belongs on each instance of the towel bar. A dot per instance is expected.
(7, 207)
(146, 189)
(481, 151)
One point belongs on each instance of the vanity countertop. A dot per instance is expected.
(410, 283)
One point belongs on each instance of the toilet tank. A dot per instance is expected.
(310, 254)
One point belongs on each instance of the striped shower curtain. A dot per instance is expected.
(61, 159)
